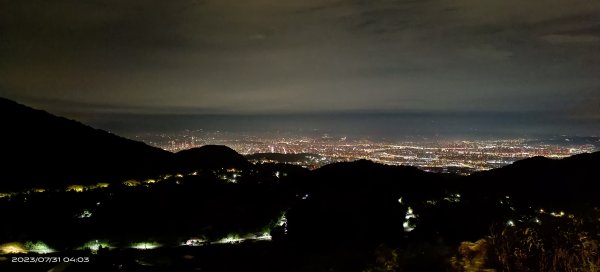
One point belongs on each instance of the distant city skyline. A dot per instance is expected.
(316, 149)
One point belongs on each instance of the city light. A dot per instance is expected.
(12, 248)
(145, 245)
(85, 214)
(131, 183)
(282, 220)
(408, 224)
(38, 247)
(194, 242)
(264, 236)
(460, 157)
(230, 239)
(96, 245)
(75, 188)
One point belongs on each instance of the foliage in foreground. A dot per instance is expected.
(556, 245)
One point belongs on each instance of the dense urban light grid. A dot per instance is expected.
(457, 156)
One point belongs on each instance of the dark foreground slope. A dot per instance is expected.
(571, 181)
(38, 148)
(352, 216)
(365, 200)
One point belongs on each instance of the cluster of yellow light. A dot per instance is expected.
(12, 248)
(150, 181)
(39, 190)
(3, 195)
(131, 183)
(80, 188)
(75, 188)
(101, 185)
(560, 214)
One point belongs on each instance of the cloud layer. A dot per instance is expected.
(304, 56)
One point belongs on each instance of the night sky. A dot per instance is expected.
(309, 56)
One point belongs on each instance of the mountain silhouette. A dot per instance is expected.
(209, 157)
(553, 181)
(361, 201)
(39, 148)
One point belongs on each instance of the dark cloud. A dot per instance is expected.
(303, 56)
